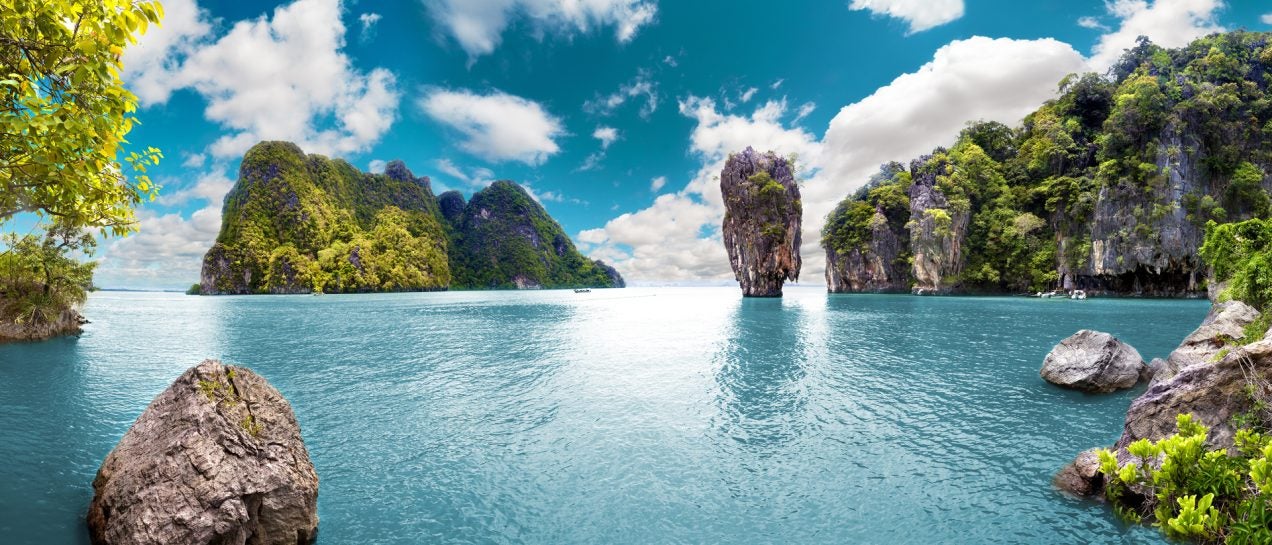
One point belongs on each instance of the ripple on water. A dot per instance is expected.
(632, 416)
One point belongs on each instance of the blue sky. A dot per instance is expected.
(616, 114)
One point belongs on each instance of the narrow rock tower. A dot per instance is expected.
(761, 221)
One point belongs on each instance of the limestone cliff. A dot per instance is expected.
(295, 223)
(1106, 188)
(762, 221)
(503, 239)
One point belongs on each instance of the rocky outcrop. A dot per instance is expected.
(297, 222)
(1225, 323)
(217, 458)
(1090, 192)
(1093, 361)
(879, 267)
(1081, 477)
(68, 322)
(761, 221)
(504, 239)
(1213, 392)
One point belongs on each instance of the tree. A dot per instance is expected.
(64, 112)
(38, 281)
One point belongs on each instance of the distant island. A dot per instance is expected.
(297, 223)
(1107, 188)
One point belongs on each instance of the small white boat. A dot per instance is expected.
(1078, 295)
(582, 290)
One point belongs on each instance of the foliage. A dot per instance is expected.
(39, 281)
(1217, 496)
(1204, 109)
(504, 238)
(1241, 254)
(64, 112)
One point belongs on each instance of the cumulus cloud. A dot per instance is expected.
(804, 109)
(746, 95)
(657, 184)
(920, 14)
(478, 25)
(279, 77)
(151, 65)
(376, 166)
(1168, 23)
(496, 126)
(640, 87)
(168, 249)
(677, 237)
(1267, 18)
(607, 135)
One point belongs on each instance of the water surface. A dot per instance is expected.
(621, 416)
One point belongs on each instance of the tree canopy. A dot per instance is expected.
(64, 112)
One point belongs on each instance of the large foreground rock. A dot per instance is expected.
(1225, 323)
(1093, 361)
(217, 458)
(762, 221)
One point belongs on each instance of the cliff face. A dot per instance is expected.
(503, 239)
(1106, 188)
(295, 223)
(762, 221)
(875, 259)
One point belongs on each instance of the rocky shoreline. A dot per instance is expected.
(69, 322)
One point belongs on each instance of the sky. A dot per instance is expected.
(617, 115)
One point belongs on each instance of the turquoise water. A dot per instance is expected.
(619, 416)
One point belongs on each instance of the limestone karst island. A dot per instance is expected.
(552, 272)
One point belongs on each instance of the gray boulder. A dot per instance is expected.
(1094, 362)
(217, 458)
(1225, 323)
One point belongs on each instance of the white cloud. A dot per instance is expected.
(194, 160)
(151, 65)
(677, 237)
(777, 83)
(641, 86)
(657, 184)
(368, 21)
(804, 109)
(167, 250)
(210, 187)
(1267, 18)
(478, 26)
(746, 95)
(607, 135)
(1168, 23)
(920, 14)
(496, 126)
(670, 61)
(271, 78)
(376, 166)
(1091, 23)
(476, 178)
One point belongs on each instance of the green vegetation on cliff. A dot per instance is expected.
(1108, 186)
(296, 223)
(502, 238)
(41, 284)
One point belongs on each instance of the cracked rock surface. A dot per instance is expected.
(217, 458)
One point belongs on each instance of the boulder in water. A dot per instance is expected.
(217, 458)
(1093, 361)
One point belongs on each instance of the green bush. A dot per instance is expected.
(1191, 492)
